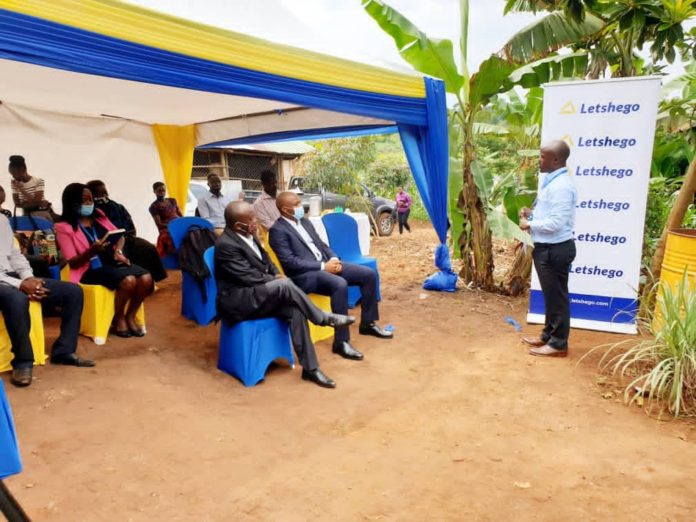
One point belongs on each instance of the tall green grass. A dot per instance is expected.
(660, 370)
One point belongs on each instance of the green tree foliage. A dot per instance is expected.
(337, 165)
(674, 149)
(628, 26)
(470, 208)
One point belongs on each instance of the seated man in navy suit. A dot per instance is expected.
(315, 268)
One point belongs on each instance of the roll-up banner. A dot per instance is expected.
(609, 126)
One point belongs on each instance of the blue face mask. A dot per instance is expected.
(86, 210)
(299, 212)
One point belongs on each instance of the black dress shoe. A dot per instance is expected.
(21, 377)
(375, 330)
(72, 360)
(346, 350)
(338, 320)
(319, 378)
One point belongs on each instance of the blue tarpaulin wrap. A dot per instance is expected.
(428, 156)
(10, 463)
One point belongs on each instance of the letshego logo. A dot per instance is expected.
(569, 108)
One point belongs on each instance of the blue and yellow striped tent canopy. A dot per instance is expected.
(195, 85)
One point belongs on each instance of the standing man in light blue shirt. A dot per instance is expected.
(551, 224)
(212, 206)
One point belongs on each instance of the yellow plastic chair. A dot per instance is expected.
(98, 310)
(317, 333)
(36, 336)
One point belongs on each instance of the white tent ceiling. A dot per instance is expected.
(76, 127)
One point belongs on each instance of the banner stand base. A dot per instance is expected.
(584, 324)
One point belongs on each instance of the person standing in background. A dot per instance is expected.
(212, 205)
(28, 191)
(163, 210)
(265, 205)
(403, 209)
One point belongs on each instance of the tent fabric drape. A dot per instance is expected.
(175, 145)
(308, 134)
(41, 42)
(157, 30)
(427, 153)
(426, 149)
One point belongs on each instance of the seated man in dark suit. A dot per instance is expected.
(250, 287)
(315, 268)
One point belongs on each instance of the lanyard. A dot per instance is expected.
(547, 181)
(91, 236)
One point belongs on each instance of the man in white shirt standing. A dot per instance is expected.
(212, 206)
(551, 224)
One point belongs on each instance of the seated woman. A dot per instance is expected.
(163, 210)
(81, 235)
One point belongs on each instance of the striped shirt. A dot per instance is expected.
(27, 191)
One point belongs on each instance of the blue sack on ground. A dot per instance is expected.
(441, 281)
(445, 280)
(10, 463)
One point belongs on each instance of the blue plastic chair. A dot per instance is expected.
(249, 347)
(10, 461)
(342, 231)
(193, 306)
(25, 223)
(179, 227)
(170, 262)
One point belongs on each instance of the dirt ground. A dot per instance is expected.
(451, 420)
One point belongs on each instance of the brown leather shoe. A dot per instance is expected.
(534, 341)
(21, 377)
(548, 351)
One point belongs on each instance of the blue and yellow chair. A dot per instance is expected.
(342, 231)
(249, 347)
(317, 333)
(193, 305)
(98, 310)
(36, 336)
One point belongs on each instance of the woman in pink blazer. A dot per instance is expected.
(93, 260)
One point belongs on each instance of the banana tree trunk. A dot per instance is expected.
(517, 278)
(475, 242)
(676, 216)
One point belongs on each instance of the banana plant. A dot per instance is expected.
(628, 25)
(473, 222)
